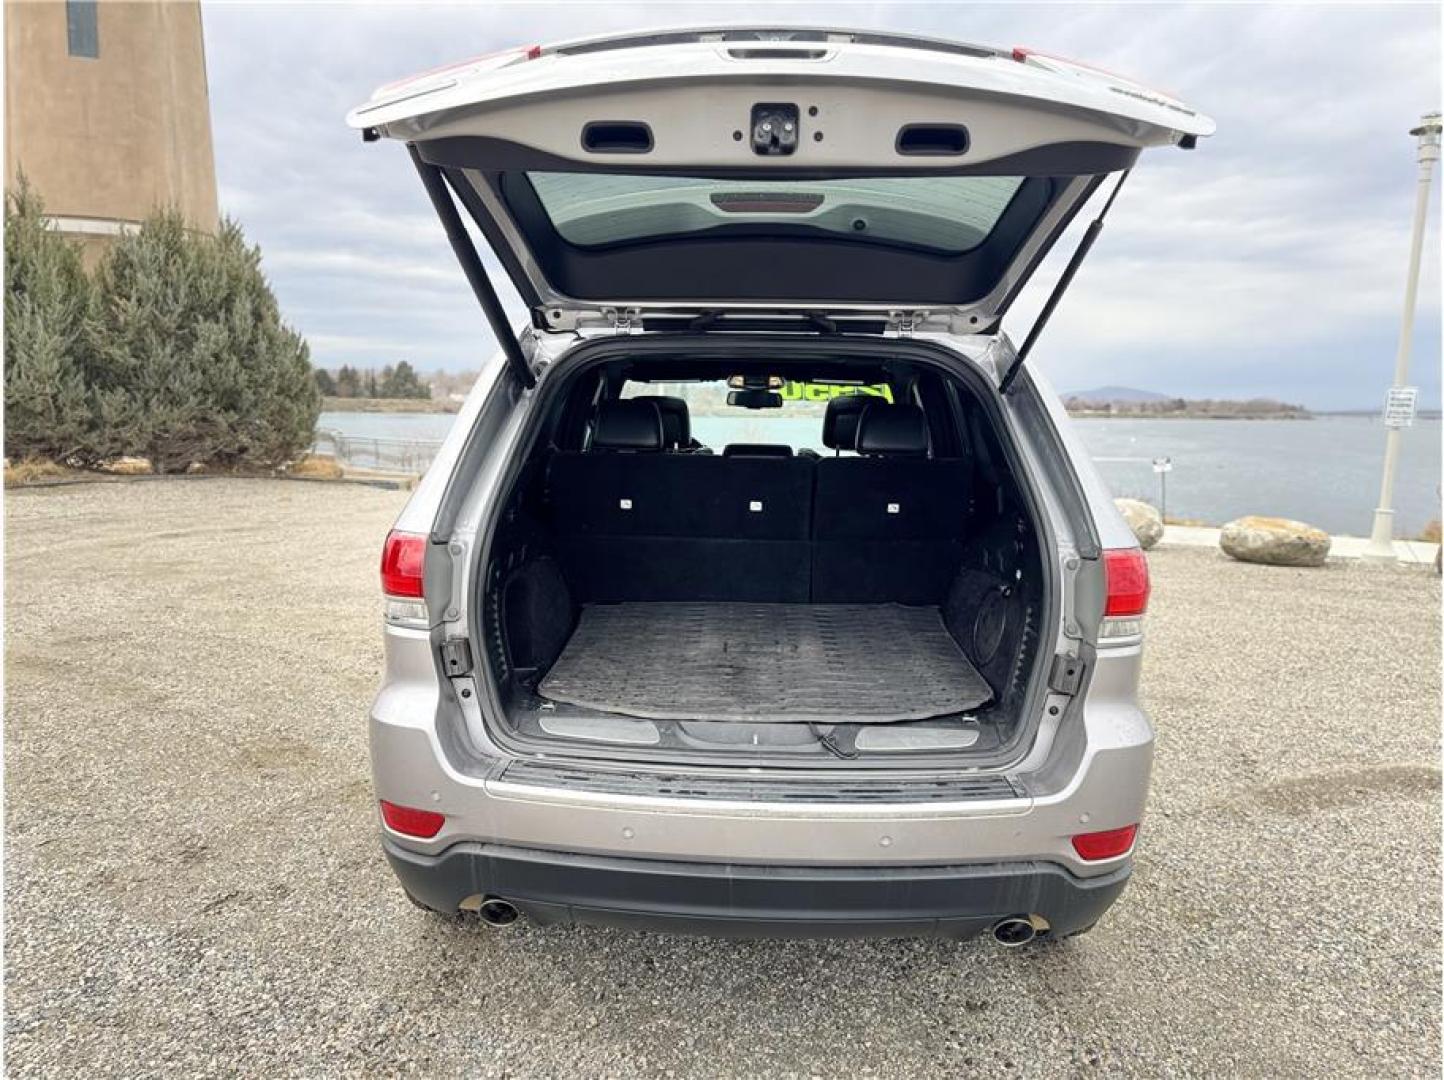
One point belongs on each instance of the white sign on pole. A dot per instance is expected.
(1399, 406)
(1162, 464)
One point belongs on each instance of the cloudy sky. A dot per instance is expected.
(1268, 262)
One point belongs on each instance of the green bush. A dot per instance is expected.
(192, 361)
(49, 302)
(175, 350)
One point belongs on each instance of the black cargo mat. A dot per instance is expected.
(830, 663)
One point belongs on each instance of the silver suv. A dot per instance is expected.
(760, 587)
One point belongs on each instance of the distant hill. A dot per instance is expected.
(1116, 393)
(1159, 407)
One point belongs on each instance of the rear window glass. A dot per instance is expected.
(795, 421)
(941, 213)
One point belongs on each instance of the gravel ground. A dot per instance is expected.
(193, 881)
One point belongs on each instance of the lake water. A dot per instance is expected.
(1324, 471)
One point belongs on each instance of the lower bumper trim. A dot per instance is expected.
(756, 901)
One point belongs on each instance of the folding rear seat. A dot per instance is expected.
(598, 493)
(634, 523)
(889, 525)
(747, 523)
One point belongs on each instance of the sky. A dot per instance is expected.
(1268, 262)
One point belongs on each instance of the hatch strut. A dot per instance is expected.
(471, 265)
(1094, 228)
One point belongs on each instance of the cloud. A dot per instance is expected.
(1270, 257)
(363, 264)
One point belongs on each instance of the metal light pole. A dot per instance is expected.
(1399, 409)
(1163, 466)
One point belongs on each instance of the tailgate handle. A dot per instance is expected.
(932, 140)
(617, 137)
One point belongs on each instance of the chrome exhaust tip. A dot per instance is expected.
(1014, 931)
(495, 911)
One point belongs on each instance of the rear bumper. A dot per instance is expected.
(756, 901)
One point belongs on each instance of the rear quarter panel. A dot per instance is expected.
(419, 513)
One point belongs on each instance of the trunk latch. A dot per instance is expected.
(626, 320)
(1066, 675)
(456, 656)
(774, 129)
(905, 323)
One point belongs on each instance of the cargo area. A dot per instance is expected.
(852, 572)
(871, 663)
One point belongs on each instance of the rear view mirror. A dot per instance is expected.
(754, 399)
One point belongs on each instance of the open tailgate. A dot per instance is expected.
(827, 171)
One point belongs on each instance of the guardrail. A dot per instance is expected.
(377, 453)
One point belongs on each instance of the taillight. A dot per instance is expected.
(1126, 570)
(409, 821)
(402, 560)
(1108, 844)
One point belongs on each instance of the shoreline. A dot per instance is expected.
(1095, 414)
(1423, 416)
(389, 405)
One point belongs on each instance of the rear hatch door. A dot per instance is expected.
(839, 173)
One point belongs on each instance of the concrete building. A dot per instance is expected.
(107, 112)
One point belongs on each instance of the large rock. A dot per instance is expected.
(1277, 541)
(1144, 520)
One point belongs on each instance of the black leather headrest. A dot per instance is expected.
(767, 450)
(627, 425)
(895, 430)
(839, 423)
(676, 422)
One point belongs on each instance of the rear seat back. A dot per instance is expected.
(657, 526)
(634, 523)
(600, 490)
(889, 525)
(745, 498)
(756, 450)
